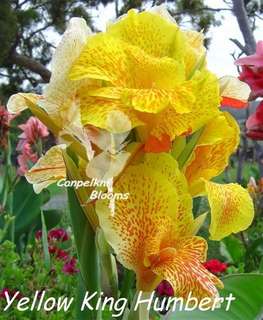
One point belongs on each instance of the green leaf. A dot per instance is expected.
(26, 206)
(246, 288)
(109, 274)
(87, 253)
(45, 242)
(233, 249)
(52, 218)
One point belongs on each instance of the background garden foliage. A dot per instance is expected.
(38, 252)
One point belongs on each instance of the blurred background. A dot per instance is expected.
(30, 31)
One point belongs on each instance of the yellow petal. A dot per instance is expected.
(49, 169)
(20, 101)
(151, 32)
(218, 141)
(100, 113)
(60, 95)
(182, 267)
(232, 209)
(206, 92)
(167, 165)
(194, 51)
(145, 217)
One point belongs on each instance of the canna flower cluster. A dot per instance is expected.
(137, 104)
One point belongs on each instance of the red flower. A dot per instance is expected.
(252, 70)
(38, 234)
(254, 78)
(165, 289)
(58, 253)
(254, 124)
(58, 234)
(215, 266)
(70, 266)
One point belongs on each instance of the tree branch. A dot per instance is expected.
(239, 45)
(31, 65)
(239, 11)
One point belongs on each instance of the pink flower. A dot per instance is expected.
(26, 159)
(38, 234)
(215, 266)
(58, 234)
(33, 130)
(255, 60)
(5, 118)
(254, 124)
(70, 266)
(58, 253)
(252, 71)
(254, 78)
(165, 289)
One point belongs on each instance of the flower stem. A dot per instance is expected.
(189, 148)
(140, 312)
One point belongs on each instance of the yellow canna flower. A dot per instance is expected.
(150, 70)
(152, 232)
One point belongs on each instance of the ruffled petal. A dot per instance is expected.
(218, 141)
(49, 169)
(100, 113)
(168, 166)
(182, 267)
(206, 92)
(151, 32)
(20, 101)
(232, 209)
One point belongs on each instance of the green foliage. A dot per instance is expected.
(27, 274)
(246, 288)
(8, 27)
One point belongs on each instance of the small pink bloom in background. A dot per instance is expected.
(255, 60)
(215, 266)
(5, 118)
(165, 289)
(70, 266)
(58, 253)
(38, 234)
(33, 130)
(254, 124)
(58, 234)
(26, 159)
(254, 78)
(252, 71)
